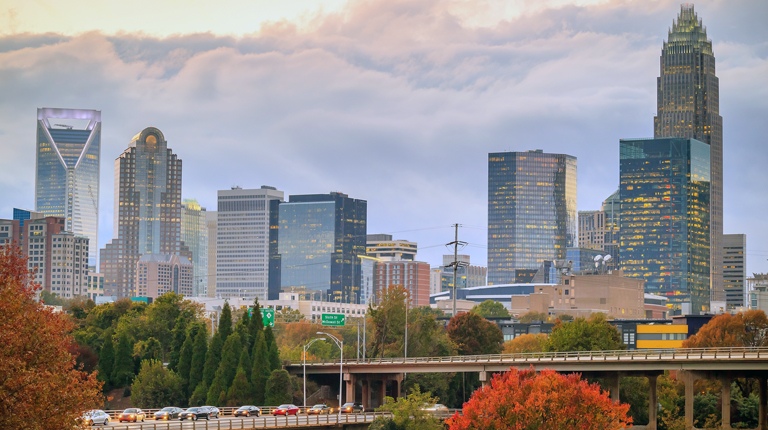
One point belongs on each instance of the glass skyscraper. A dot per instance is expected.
(320, 238)
(665, 218)
(67, 170)
(531, 212)
(194, 234)
(688, 103)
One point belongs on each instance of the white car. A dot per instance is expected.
(95, 416)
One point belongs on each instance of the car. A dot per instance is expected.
(350, 408)
(132, 414)
(168, 413)
(435, 407)
(286, 410)
(195, 414)
(213, 411)
(95, 416)
(247, 411)
(320, 409)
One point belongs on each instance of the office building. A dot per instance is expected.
(147, 212)
(68, 155)
(320, 237)
(95, 284)
(689, 106)
(435, 280)
(735, 271)
(194, 234)
(467, 275)
(211, 218)
(531, 212)
(664, 221)
(583, 259)
(383, 247)
(757, 286)
(411, 275)
(600, 229)
(243, 225)
(368, 287)
(157, 274)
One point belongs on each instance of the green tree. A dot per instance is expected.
(122, 371)
(179, 335)
(106, 361)
(185, 361)
(240, 392)
(593, 334)
(230, 356)
(243, 328)
(475, 335)
(215, 391)
(491, 309)
(225, 322)
(200, 395)
(388, 322)
(279, 388)
(198, 360)
(427, 337)
(534, 316)
(260, 371)
(408, 413)
(212, 359)
(273, 353)
(257, 323)
(156, 387)
(245, 362)
(149, 349)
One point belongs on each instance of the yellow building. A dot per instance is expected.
(661, 336)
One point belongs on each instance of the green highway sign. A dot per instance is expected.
(333, 319)
(268, 316)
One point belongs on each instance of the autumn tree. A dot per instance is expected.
(533, 316)
(526, 343)
(748, 328)
(388, 320)
(527, 400)
(279, 388)
(593, 334)
(40, 387)
(474, 335)
(491, 309)
(156, 386)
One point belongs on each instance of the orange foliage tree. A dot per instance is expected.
(40, 387)
(526, 400)
(525, 343)
(743, 329)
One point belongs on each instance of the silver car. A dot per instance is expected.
(95, 416)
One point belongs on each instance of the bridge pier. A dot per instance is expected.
(652, 401)
(725, 399)
(351, 384)
(762, 423)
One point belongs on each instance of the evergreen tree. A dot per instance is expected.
(273, 353)
(230, 356)
(106, 361)
(122, 371)
(214, 391)
(245, 363)
(200, 395)
(243, 329)
(198, 360)
(185, 362)
(225, 322)
(240, 392)
(279, 388)
(260, 371)
(212, 358)
(178, 335)
(257, 323)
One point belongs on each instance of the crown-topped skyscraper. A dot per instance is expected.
(689, 106)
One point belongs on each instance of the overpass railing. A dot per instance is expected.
(587, 356)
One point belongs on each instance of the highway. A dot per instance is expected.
(267, 421)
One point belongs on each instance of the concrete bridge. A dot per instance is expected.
(723, 364)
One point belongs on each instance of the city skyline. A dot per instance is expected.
(444, 109)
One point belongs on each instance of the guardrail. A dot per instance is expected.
(224, 411)
(637, 354)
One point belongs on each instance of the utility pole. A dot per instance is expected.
(455, 263)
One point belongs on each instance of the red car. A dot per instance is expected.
(286, 410)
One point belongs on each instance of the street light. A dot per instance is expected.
(340, 344)
(304, 359)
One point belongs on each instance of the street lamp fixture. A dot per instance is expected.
(304, 360)
(340, 344)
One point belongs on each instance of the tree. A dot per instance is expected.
(149, 349)
(288, 315)
(474, 334)
(36, 369)
(408, 413)
(185, 362)
(491, 309)
(427, 337)
(198, 360)
(388, 321)
(533, 316)
(200, 395)
(179, 335)
(230, 356)
(279, 388)
(240, 392)
(593, 334)
(122, 372)
(261, 370)
(257, 322)
(273, 353)
(526, 343)
(246, 363)
(212, 359)
(156, 387)
(225, 322)
(748, 328)
(106, 360)
(523, 400)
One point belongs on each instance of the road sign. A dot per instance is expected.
(268, 316)
(333, 319)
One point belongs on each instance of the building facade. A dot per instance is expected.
(157, 274)
(194, 234)
(320, 237)
(67, 170)
(467, 275)
(243, 225)
(147, 213)
(95, 284)
(383, 247)
(211, 221)
(688, 105)
(368, 287)
(600, 229)
(531, 211)
(734, 257)
(411, 275)
(664, 223)
(435, 280)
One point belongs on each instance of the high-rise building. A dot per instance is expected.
(664, 221)
(368, 287)
(194, 234)
(531, 212)
(320, 237)
(147, 213)
(382, 246)
(735, 271)
(211, 218)
(435, 280)
(600, 229)
(411, 275)
(67, 170)
(688, 103)
(157, 274)
(467, 275)
(95, 284)
(242, 242)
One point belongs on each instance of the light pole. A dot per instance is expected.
(304, 360)
(340, 344)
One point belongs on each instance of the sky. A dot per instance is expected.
(397, 102)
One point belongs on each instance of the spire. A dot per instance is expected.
(688, 32)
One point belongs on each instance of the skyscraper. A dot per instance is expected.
(211, 220)
(735, 271)
(600, 229)
(320, 239)
(67, 170)
(664, 221)
(243, 242)
(147, 214)
(688, 103)
(531, 212)
(194, 234)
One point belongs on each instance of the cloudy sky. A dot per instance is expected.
(397, 102)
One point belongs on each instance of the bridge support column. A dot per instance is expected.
(383, 390)
(366, 393)
(762, 423)
(652, 403)
(398, 386)
(614, 384)
(725, 399)
(484, 378)
(351, 382)
(688, 379)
